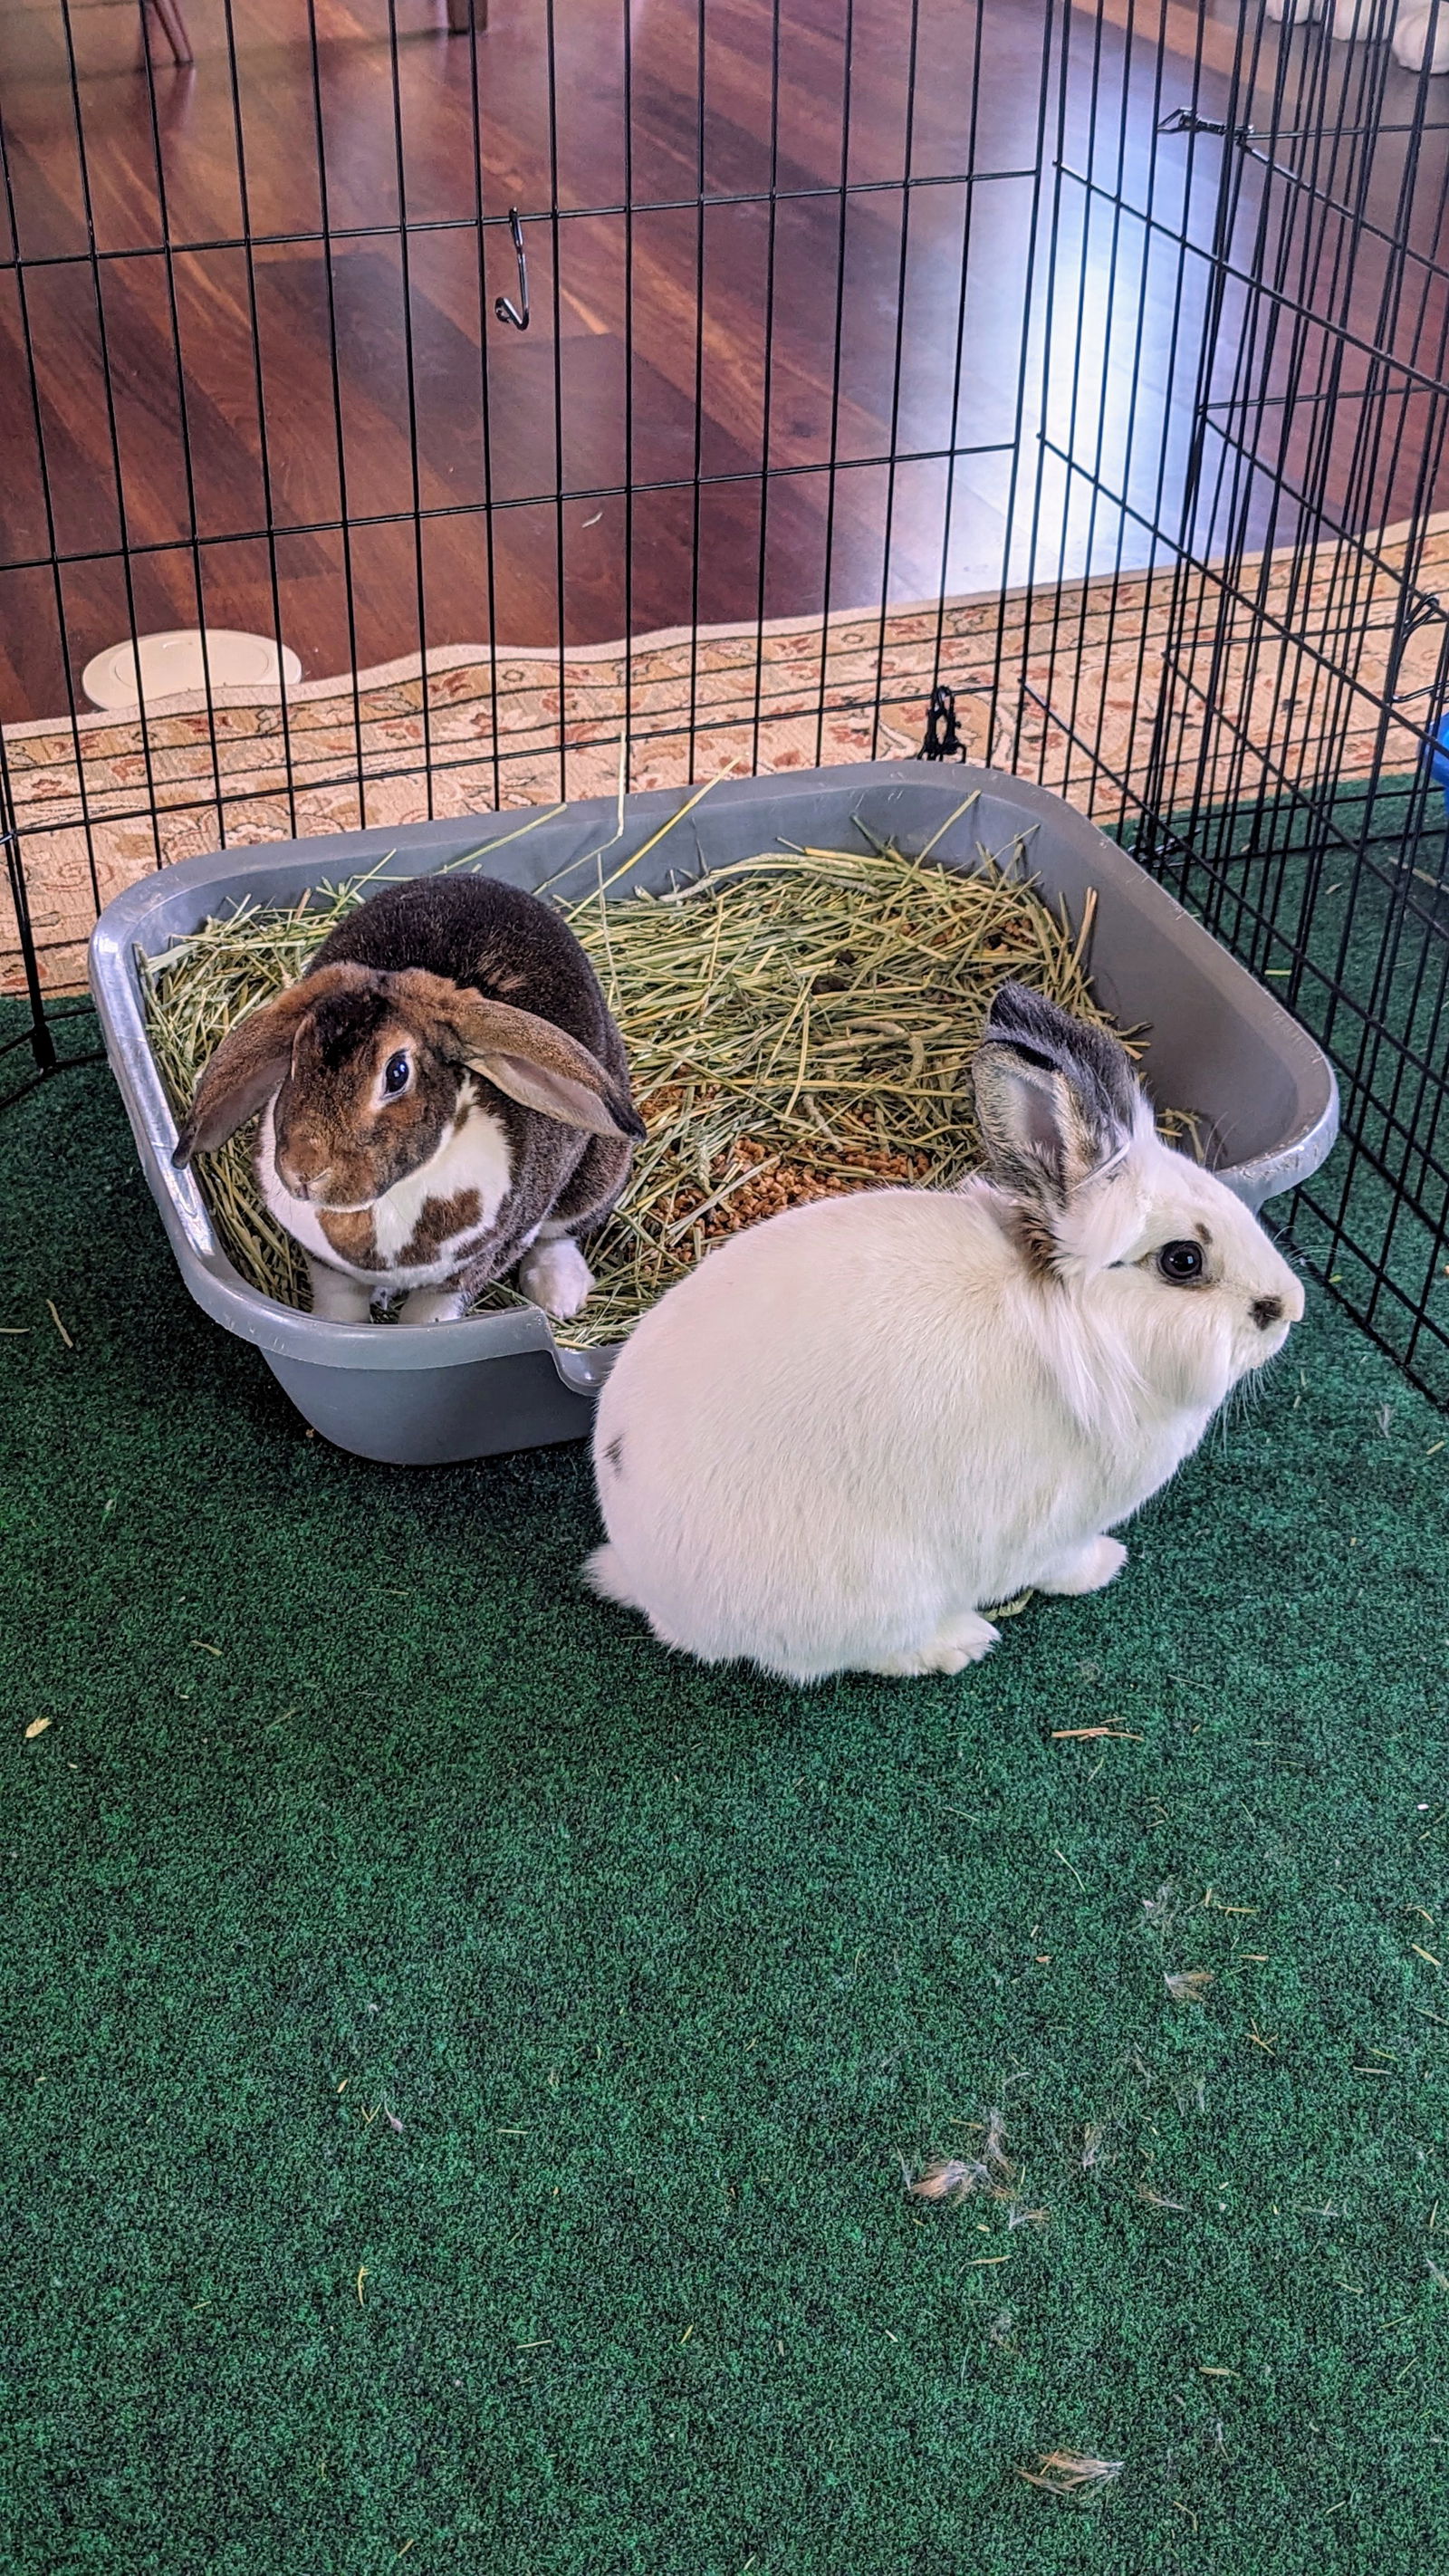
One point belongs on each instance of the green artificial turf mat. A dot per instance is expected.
(458, 2061)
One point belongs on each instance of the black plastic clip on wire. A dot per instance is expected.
(503, 305)
(942, 741)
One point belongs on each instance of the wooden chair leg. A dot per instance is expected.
(463, 14)
(174, 29)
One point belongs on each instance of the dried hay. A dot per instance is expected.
(1072, 2473)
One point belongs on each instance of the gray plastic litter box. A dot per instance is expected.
(1220, 1045)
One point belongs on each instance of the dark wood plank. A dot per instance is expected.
(658, 359)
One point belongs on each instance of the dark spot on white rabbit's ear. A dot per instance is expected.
(614, 1452)
(1089, 1058)
(1056, 1100)
(1040, 1142)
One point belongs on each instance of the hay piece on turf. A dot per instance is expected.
(1189, 1985)
(1070, 2473)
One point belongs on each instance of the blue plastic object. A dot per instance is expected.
(1439, 760)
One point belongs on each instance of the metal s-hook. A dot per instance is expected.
(503, 306)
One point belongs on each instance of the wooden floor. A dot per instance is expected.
(656, 449)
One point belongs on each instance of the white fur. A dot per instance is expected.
(338, 1299)
(1421, 39)
(1418, 33)
(472, 1156)
(557, 1277)
(856, 1427)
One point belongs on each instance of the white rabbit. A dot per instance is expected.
(854, 1428)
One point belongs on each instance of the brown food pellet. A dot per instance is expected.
(785, 1184)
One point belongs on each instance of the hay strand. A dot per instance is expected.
(1072, 2473)
(1189, 1985)
(954, 2178)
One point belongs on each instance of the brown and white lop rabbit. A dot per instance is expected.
(443, 1095)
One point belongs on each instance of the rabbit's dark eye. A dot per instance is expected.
(1180, 1261)
(395, 1074)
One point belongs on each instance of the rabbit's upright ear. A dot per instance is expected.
(251, 1061)
(1057, 1101)
(528, 1058)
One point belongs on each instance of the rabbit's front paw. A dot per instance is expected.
(556, 1277)
(433, 1306)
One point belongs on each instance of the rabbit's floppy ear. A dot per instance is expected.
(1056, 1100)
(536, 1063)
(252, 1059)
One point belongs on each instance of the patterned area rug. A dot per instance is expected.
(1283, 671)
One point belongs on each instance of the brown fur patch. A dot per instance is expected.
(439, 1221)
(349, 1231)
(325, 1126)
(1034, 1239)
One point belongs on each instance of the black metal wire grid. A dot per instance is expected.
(1216, 425)
(1278, 630)
(134, 207)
